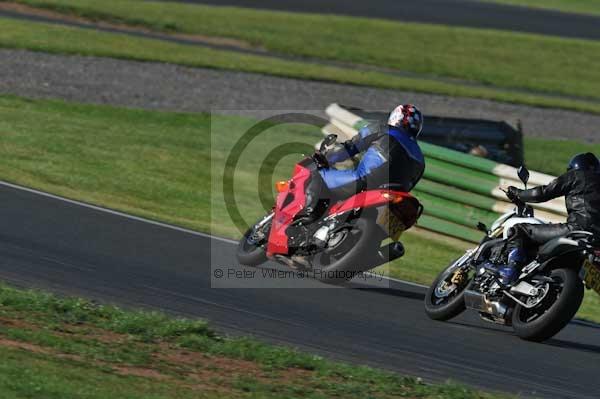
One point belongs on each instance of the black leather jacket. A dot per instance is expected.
(581, 189)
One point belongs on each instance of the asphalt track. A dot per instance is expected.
(73, 249)
(466, 13)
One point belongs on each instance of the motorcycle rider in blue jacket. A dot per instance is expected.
(391, 158)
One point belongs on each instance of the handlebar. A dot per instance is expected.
(523, 209)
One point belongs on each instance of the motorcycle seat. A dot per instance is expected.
(393, 186)
(580, 234)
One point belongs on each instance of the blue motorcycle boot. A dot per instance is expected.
(508, 273)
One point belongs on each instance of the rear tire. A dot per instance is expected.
(364, 241)
(558, 314)
(450, 308)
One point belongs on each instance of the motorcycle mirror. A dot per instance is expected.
(523, 174)
(482, 227)
(328, 140)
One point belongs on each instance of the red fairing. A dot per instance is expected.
(284, 215)
(366, 199)
(278, 239)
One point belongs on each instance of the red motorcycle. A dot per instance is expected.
(343, 240)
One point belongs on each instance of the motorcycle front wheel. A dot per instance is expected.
(445, 299)
(558, 305)
(250, 249)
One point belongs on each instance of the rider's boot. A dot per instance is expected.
(508, 273)
(315, 192)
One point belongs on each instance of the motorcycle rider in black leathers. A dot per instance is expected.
(581, 188)
(391, 156)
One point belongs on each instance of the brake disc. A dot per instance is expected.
(543, 290)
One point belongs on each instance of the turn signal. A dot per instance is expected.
(282, 185)
(393, 198)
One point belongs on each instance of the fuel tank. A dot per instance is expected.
(510, 223)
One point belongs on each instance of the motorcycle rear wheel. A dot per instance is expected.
(351, 255)
(554, 312)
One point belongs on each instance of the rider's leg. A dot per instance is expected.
(334, 184)
(371, 171)
(542, 233)
(517, 254)
(317, 195)
(526, 236)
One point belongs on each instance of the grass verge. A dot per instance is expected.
(55, 347)
(497, 58)
(159, 165)
(537, 150)
(498, 84)
(591, 7)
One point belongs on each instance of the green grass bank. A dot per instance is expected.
(442, 55)
(55, 348)
(495, 58)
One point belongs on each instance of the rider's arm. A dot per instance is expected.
(359, 143)
(556, 188)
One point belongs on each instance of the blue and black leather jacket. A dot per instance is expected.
(391, 156)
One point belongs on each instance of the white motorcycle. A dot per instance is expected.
(541, 301)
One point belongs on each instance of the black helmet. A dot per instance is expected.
(587, 161)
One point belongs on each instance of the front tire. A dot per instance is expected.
(554, 312)
(250, 252)
(440, 307)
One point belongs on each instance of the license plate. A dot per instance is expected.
(592, 276)
(391, 223)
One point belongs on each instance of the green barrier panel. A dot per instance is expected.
(467, 179)
(455, 212)
(456, 195)
(447, 154)
(458, 158)
(450, 229)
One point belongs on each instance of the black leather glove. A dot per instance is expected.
(320, 160)
(513, 193)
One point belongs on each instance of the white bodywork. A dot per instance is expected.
(509, 220)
